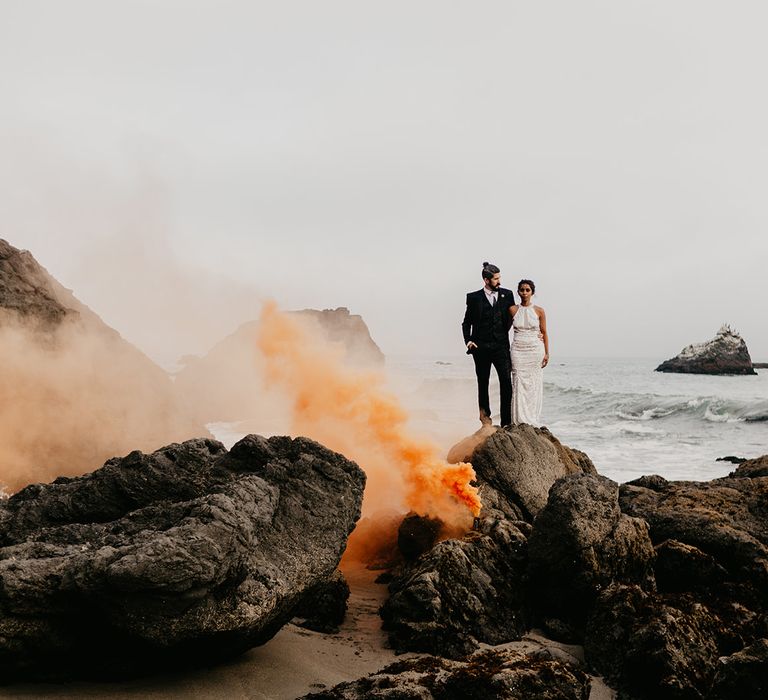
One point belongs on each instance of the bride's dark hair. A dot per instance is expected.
(529, 283)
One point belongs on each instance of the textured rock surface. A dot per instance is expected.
(649, 648)
(581, 543)
(711, 573)
(725, 520)
(726, 353)
(517, 465)
(498, 673)
(459, 593)
(179, 557)
(324, 607)
(752, 467)
(27, 290)
(743, 675)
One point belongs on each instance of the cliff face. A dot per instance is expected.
(726, 353)
(73, 392)
(340, 326)
(228, 376)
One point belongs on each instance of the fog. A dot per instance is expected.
(177, 163)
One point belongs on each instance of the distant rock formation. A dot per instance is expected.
(349, 330)
(74, 392)
(177, 558)
(228, 375)
(726, 353)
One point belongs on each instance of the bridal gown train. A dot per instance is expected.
(527, 374)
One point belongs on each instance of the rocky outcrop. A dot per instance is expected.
(182, 556)
(652, 646)
(495, 673)
(726, 353)
(348, 330)
(74, 392)
(228, 374)
(723, 522)
(28, 291)
(516, 466)
(742, 675)
(752, 467)
(711, 600)
(460, 593)
(582, 543)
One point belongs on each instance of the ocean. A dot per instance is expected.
(629, 419)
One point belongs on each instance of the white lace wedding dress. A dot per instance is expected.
(527, 374)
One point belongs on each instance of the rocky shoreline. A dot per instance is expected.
(192, 552)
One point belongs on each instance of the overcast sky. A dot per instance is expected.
(175, 162)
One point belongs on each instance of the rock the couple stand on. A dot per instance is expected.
(490, 313)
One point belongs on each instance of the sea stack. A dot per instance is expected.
(726, 353)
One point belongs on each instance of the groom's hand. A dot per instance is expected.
(471, 345)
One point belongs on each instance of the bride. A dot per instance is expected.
(530, 354)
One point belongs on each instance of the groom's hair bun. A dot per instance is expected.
(489, 270)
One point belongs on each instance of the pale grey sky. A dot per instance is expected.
(174, 162)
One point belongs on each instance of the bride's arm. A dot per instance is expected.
(544, 335)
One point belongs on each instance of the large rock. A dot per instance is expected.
(494, 673)
(650, 648)
(752, 467)
(227, 374)
(743, 675)
(724, 524)
(73, 392)
(517, 465)
(582, 543)
(726, 353)
(461, 592)
(182, 556)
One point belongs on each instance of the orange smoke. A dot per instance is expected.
(74, 397)
(351, 413)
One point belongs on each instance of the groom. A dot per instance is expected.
(486, 334)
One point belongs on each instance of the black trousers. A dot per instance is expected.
(500, 359)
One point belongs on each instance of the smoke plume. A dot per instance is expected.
(349, 411)
(73, 397)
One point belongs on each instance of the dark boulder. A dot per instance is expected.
(517, 465)
(723, 523)
(324, 607)
(651, 649)
(752, 467)
(495, 673)
(183, 556)
(417, 534)
(743, 675)
(459, 593)
(726, 353)
(581, 543)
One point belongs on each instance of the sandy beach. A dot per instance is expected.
(295, 662)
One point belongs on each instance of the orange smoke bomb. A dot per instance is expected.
(350, 412)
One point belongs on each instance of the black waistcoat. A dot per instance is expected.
(491, 328)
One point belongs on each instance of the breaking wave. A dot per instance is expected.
(648, 407)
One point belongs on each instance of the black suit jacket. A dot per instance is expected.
(474, 311)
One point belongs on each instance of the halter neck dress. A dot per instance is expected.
(527, 374)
